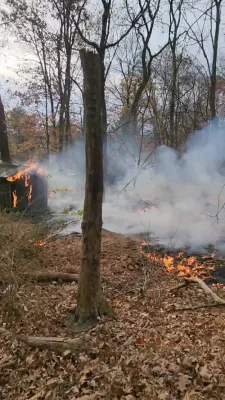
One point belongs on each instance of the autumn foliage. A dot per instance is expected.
(27, 134)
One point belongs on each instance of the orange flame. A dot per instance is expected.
(41, 242)
(14, 199)
(21, 174)
(25, 174)
(181, 265)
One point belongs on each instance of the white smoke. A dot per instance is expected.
(187, 191)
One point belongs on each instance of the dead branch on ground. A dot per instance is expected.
(7, 364)
(206, 289)
(50, 343)
(50, 276)
(47, 276)
(199, 306)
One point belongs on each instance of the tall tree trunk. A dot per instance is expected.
(91, 303)
(67, 89)
(61, 129)
(214, 61)
(172, 134)
(129, 121)
(4, 144)
(133, 112)
(101, 53)
(104, 121)
(46, 122)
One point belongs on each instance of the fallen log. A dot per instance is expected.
(56, 344)
(44, 276)
(50, 276)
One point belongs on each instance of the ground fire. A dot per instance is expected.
(208, 267)
(181, 263)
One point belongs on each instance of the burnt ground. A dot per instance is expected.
(154, 349)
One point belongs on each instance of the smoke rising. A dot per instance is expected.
(185, 192)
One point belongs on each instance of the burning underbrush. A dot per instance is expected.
(180, 263)
(209, 267)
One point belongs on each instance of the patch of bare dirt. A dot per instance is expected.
(153, 350)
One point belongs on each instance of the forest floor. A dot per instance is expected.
(158, 347)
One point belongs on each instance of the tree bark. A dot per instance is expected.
(212, 102)
(91, 303)
(4, 144)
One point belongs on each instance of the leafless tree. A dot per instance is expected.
(106, 42)
(210, 17)
(175, 12)
(144, 27)
(48, 29)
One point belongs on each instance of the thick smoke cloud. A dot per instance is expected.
(185, 192)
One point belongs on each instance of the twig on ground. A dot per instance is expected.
(8, 364)
(179, 286)
(204, 305)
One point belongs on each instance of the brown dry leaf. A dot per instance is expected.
(50, 395)
(83, 375)
(141, 341)
(188, 361)
(204, 373)
(67, 352)
(163, 396)
(183, 382)
(52, 381)
(173, 367)
(187, 396)
(30, 359)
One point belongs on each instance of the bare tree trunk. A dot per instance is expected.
(67, 90)
(130, 120)
(91, 303)
(200, 40)
(46, 122)
(215, 41)
(4, 144)
(103, 117)
(148, 19)
(175, 19)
